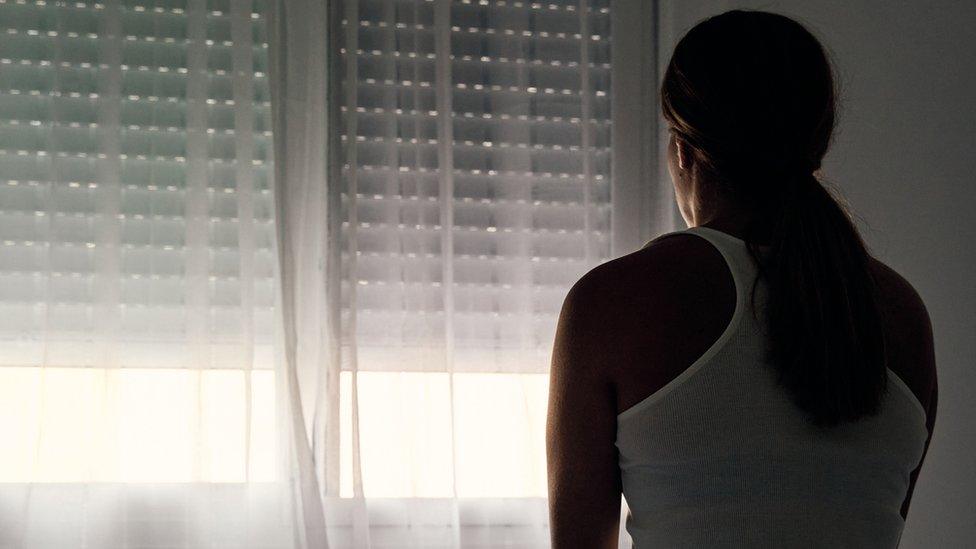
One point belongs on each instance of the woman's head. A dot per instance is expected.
(749, 98)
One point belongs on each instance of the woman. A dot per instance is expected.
(757, 379)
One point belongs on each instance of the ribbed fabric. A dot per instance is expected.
(721, 457)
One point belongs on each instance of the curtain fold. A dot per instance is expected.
(306, 207)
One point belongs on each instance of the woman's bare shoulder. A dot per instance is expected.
(908, 332)
(652, 312)
(665, 272)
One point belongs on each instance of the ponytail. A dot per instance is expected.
(823, 315)
(752, 94)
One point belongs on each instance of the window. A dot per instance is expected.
(136, 234)
(475, 191)
(137, 240)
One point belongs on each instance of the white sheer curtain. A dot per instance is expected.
(429, 236)
(138, 380)
(288, 275)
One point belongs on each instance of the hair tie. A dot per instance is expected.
(805, 167)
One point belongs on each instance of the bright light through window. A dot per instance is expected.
(406, 434)
(162, 425)
(136, 425)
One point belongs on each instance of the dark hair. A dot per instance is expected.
(752, 94)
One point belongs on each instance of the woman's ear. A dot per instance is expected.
(683, 153)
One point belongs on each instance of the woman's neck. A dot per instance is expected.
(736, 222)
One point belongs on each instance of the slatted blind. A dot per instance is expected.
(134, 181)
(476, 177)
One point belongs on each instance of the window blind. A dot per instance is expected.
(476, 178)
(475, 190)
(135, 150)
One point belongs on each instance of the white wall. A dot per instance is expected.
(905, 157)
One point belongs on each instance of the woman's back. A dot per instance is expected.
(712, 451)
(800, 422)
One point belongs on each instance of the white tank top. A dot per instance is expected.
(721, 457)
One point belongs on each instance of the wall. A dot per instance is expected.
(905, 157)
